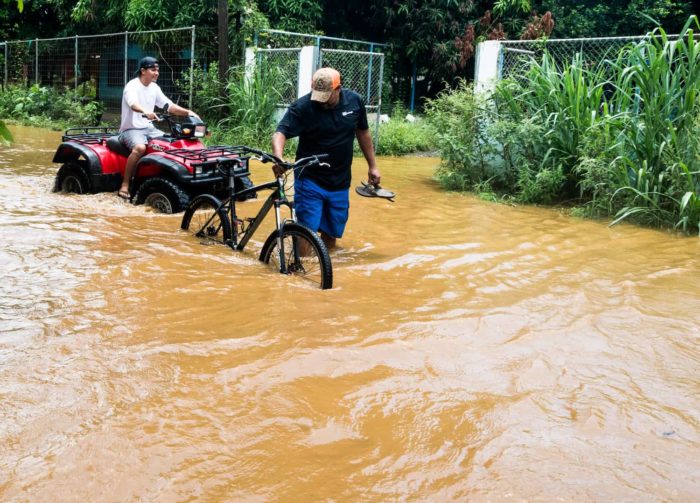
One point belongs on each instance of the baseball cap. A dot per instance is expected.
(147, 62)
(323, 82)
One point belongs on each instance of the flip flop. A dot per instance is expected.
(374, 190)
(123, 195)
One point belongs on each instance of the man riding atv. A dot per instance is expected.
(141, 95)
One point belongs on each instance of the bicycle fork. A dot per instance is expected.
(280, 222)
(280, 237)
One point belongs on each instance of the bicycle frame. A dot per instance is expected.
(277, 199)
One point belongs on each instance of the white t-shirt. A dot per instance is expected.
(147, 96)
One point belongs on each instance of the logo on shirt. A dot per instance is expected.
(348, 112)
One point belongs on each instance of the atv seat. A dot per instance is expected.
(117, 147)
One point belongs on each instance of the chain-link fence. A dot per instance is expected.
(362, 72)
(3, 63)
(516, 55)
(282, 66)
(359, 63)
(98, 66)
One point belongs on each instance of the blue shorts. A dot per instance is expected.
(319, 209)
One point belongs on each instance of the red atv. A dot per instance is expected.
(175, 168)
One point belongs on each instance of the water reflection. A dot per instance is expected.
(468, 351)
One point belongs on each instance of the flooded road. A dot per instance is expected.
(468, 351)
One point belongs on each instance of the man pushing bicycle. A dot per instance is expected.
(327, 120)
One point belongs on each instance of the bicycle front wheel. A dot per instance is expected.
(205, 219)
(302, 254)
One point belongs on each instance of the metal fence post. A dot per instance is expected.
(379, 102)
(369, 72)
(126, 54)
(318, 57)
(36, 62)
(192, 67)
(75, 67)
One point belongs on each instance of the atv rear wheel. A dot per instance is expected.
(162, 195)
(71, 177)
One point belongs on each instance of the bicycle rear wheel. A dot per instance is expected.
(207, 220)
(303, 254)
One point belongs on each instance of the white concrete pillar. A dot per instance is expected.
(249, 63)
(487, 62)
(307, 64)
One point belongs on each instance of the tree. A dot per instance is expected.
(222, 12)
(435, 38)
(302, 16)
(593, 18)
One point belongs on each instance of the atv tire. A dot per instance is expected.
(162, 195)
(71, 177)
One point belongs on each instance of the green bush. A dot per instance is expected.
(457, 119)
(400, 137)
(48, 107)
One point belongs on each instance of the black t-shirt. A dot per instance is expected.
(322, 131)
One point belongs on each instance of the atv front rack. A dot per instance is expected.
(208, 153)
(207, 160)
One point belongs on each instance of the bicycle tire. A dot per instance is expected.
(314, 266)
(199, 211)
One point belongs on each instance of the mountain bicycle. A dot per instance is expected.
(291, 248)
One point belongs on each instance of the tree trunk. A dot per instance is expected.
(223, 39)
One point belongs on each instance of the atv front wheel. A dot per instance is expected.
(162, 195)
(71, 177)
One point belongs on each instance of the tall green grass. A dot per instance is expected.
(243, 109)
(656, 87)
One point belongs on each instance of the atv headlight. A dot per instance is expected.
(200, 131)
(198, 170)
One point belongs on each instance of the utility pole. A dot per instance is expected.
(223, 39)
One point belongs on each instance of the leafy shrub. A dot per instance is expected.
(46, 106)
(400, 137)
(540, 186)
(456, 117)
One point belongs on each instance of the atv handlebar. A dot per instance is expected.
(192, 127)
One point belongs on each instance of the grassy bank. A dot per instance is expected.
(620, 139)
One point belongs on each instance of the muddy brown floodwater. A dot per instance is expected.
(468, 351)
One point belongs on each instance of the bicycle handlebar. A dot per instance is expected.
(305, 161)
(223, 164)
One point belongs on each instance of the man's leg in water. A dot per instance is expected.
(136, 153)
